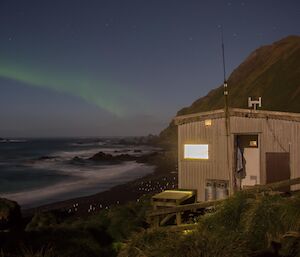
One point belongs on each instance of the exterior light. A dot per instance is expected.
(207, 122)
(196, 151)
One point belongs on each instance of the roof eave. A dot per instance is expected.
(249, 113)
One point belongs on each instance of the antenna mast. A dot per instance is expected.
(227, 120)
(224, 73)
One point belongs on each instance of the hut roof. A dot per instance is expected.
(247, 113)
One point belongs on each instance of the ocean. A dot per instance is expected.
(35, 172)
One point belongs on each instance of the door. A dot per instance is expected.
(248, 145)
(278, 168)
(251, 156)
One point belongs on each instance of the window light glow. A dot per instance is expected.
(195, 151)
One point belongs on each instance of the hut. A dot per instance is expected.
(224, 150)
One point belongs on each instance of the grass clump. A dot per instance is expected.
(228, 215)
(151, 243)
(262, 222)
(26, 252)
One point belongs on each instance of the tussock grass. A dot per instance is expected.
(244, 225)
(291, 213)
(153, 243)
(228, 215)
(27, 252)
(262, 222)
(43, 252)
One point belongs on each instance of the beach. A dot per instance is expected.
(82, 176)
(164, 177)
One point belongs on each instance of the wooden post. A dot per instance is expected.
(227, 120)
(178, 214)
(155, 219)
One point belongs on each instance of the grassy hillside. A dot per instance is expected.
(272, 72)
(243, 226)
(99, 235)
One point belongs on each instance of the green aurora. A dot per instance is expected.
(105, 95)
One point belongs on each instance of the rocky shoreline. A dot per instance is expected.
(163, 177)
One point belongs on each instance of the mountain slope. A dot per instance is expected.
(272, 72)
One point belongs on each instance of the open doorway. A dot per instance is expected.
(247, 160)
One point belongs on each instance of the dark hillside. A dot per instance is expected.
(272, 72)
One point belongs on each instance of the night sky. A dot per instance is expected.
(114, 68)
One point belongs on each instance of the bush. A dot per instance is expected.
(10, 214)
(127, 219)
(42, 221)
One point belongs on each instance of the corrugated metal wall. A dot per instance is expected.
(274, 136)
(193, 173)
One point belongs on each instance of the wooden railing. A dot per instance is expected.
(195, 206)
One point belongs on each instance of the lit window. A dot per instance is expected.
(193, 151)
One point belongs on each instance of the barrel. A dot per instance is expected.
(210, 191)
(221, 190)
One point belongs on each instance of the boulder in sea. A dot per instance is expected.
(45, 158)
(3, 140)
(10, 214)
(101, 156)
(77, 160)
